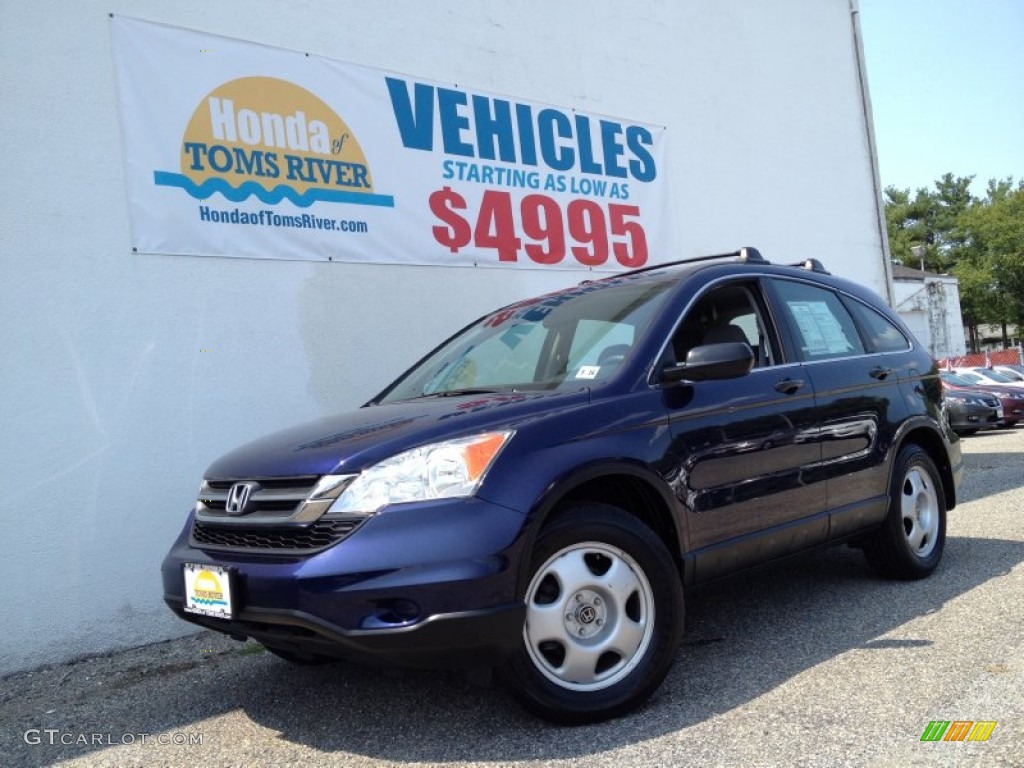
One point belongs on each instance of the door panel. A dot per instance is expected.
(859, 414)
(857, 391)
(749, 468)
(748, 448)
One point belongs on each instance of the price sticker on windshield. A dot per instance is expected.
(588, 372)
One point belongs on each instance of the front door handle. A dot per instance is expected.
(789, 386)
(880, 373)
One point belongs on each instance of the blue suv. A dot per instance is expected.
(538, 493)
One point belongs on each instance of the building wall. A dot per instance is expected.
(125, 375)
(930, 307)
(990, 337)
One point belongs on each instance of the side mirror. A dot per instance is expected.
(712, 361)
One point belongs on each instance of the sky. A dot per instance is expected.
(946, 79)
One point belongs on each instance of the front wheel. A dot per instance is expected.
(910, 542)
(604, 617)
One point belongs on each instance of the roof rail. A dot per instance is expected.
(746, 254)
(811, 264)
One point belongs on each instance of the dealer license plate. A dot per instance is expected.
(208, 590)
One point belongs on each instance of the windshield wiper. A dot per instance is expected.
(466, 391)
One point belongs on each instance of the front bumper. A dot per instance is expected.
(1013, 412)
(430, 584)
(480, 638)
(964, 417)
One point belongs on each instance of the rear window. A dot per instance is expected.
(882, 334)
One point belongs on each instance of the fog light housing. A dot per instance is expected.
(394, 612)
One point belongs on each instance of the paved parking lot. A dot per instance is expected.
(814, 663)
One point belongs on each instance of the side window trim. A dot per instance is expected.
(766, 323)
(773, 326)
(792, 351)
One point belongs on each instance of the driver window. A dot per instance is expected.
(724, 314)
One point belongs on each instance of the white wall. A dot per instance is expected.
(111, 408)
(931, 309)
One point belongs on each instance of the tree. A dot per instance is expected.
(996, 230)
(980, 240)
(929, 219)
(975, 281)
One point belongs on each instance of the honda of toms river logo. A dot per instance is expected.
(268, 138)
(208, 589)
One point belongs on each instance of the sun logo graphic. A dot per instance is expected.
(207, 589)
(271, 139)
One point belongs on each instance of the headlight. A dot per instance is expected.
(965, 400)
(451, 469)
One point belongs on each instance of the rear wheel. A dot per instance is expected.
(909, 544)
(604, 617)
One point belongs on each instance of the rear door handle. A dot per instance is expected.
(880, 373)
(789, 386)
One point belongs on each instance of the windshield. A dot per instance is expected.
(993, 376)
(1012, 371)
(955, 380)
(564, 340)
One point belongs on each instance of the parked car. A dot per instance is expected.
(1010, 399)
(1000, 385)
(967, 412)
(1014, 372)
(986, 376)
(539, 492)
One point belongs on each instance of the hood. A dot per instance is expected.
(353, 441)
(1003, 390)
(999, 390)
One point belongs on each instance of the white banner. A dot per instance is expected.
(238, 149)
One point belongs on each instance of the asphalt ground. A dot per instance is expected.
(814, 663)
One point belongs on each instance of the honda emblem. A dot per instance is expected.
(238, 498)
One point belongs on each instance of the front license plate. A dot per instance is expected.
(208, 590)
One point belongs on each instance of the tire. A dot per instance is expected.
(301, 658)
(910, 542)
(604, 617)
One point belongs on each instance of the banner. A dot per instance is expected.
(238, 149)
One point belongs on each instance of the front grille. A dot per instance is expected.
(275, 497)
(282, 515)
(991, 402)
(269, 501)
(300, 539)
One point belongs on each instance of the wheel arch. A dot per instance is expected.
(636, 489)
(931, 441)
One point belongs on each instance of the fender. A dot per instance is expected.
(950, 472)
(563, 486)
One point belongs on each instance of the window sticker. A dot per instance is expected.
(588, 372)
(821, 330)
